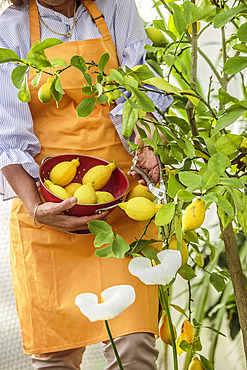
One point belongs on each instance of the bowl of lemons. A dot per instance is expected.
(97, 184)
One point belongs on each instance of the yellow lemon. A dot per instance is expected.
(187, 331)
(140, 208)
(193, 216)
(195, 364)
(44, 93)
(140, 191)
(72, 187)
(99, 175)
(85, 194)
(184, 252)
(165, 333)
(64, 172)
(56, 190)
(103, 197)
(156, 36)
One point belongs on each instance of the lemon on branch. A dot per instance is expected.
(140, 191)
(196, 364)
(140, 208)
(184, 253)
(165, 333)
(193, 216)
(44, 93)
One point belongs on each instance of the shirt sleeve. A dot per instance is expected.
(18, 143)
(132, 53)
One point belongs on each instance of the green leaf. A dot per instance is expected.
(86, 107)
(47, 43)
(165, 214)
(190, 179)
(217, 281)
(159, 24)
(225, 98)
(116, 76)
(185, 195)
(103, 238)
(219, 162)
(242, 32)
(187, 272)
(242, 219)
(227, 144)
(221, 19)
(200, 12)
(8, 55)
(185, 346)
(98, 226)
(227, 119)
(78, 62)
(24, 93)
(150, 252)
(143, 73)
(55, 93)
(232, 183)
(210, 179)
(240, 47)
(162, 84)
(190, 149)
(143, 99)
(120, 247)
(214, 330)
(102, 99)
(173, 186)
(36, 79)
(87, 90)
(58, 86)
(156, 67)
(58, 63)
(17, 75)
(179, 309)
(225, 218)
(103, 61)
(38, 59)
(197, 344)
(225, 205)
(88, 78)
(130, 116)
(235, 64)
(207, 365)
(105, 252)
(188, 8)
(178, 18)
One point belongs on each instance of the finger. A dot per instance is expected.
(81, 223)
(63, 206)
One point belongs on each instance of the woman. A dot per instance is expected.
(51, 266)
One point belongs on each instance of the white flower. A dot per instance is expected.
(160, 274)
(115, 300)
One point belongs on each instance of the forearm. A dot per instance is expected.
(23, 185)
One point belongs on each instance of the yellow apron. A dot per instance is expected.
(51, 267)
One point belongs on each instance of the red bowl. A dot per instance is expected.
(117, 185)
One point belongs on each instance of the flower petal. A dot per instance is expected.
(160, 274)
(116, 300)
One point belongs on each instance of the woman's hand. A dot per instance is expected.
(52, 214)
(146, 158)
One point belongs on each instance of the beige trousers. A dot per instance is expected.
(137, 352)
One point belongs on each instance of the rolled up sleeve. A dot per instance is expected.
(18, 143)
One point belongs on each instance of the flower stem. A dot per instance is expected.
(114, 346)
(174, 348)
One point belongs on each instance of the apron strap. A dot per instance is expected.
(91, 7)
(97, 17)
(34, 22)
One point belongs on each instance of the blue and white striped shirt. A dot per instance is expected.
(18, 143)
